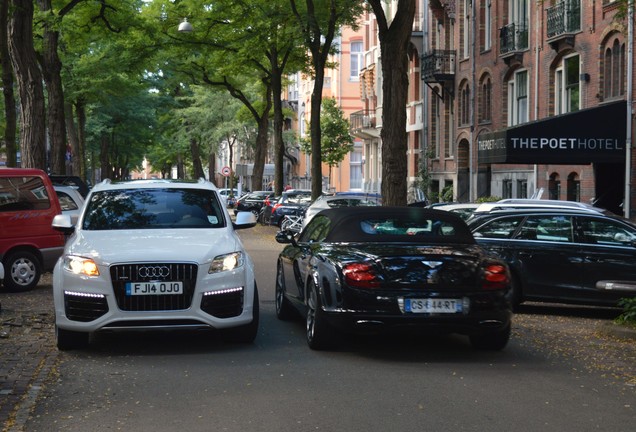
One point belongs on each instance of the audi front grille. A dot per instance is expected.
(154, 272)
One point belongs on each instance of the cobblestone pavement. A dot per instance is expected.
(28, 353)
(584, 336)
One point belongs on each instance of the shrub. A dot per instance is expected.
(629, 311)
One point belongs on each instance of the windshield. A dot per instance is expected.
(153, 208)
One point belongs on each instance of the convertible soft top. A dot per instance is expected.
(394, 224)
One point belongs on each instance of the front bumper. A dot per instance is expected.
(218, 301)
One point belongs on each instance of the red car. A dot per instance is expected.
(29, 245)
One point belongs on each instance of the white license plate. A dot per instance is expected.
(432, 305)
(153, 288)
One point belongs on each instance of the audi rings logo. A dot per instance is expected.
(153, 271)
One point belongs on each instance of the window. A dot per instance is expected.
(356, 61)
(23, 193)
(464, 105)
(506, 189)
(518, 99)
(574, 187)
(355, 168)
(435, 125)
(567, 86)
(485, 100)
(599, 231)
(499, 228)
(547, 228)
(522, 188)
(467, 31)
(614, 70)
(488, 25)
(554, 187)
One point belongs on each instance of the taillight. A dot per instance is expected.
(360, 275)
(495, 277)
(276, 206)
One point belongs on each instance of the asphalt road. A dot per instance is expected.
(556, 378)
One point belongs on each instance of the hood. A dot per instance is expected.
(183, 245)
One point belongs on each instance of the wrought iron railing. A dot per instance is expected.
(438, 63)
(564, 17)
(364, 119)
(513, 37)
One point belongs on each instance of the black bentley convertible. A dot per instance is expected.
(364, 269)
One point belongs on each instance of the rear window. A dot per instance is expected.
(153, 209)
(400, 228)
(351, 202)
(23, 193)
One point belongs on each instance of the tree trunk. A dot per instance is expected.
(52, 67)
(29, 78)
(316, 133)
(7, 88)
(81, 134)
(394, 42)
(279, 144)
(180, 168)
(212, 167)
(197, 166)
(74, 140)
(103, 158)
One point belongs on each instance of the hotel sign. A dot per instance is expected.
(583, 137)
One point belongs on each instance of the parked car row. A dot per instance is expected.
(355, 266)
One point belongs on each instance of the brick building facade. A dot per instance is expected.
(502, 73)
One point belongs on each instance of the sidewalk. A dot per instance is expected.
(28, 353)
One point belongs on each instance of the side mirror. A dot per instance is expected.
(285, 237)
(63, 223)
(244, 220)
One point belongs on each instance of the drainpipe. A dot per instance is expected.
(537, 34)
(471, 168)
(628, 135)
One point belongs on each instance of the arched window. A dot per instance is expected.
(485, 100)
(613, 68)
(464, 105)
(574, 187)
(554, 186)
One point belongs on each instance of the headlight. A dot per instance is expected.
(226, 262)
(80, 265)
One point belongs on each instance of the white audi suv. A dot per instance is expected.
(154, 254)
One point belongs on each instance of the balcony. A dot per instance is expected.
(438, 66)
(513, 39)
(563, 20)
(363, 124)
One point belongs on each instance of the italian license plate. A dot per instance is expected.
(432, 305)
(153, 288)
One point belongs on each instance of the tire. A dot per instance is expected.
(22, 271)
(320, 335)
(68, 340)
(247, 333)
(284, 310)
(491, 341)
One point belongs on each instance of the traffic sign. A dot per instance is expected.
(226, 171)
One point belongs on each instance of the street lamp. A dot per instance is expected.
(185, 26)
